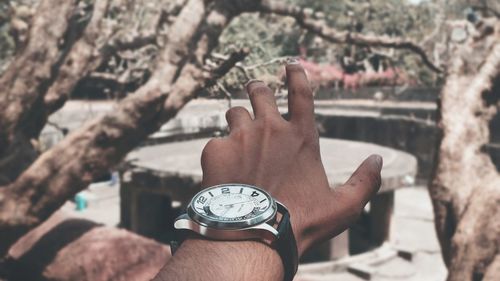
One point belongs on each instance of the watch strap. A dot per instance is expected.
(286, 244)
(178, 236)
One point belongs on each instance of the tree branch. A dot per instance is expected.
(86, 154)
(87, 55)
(82, 53)
(246, 68)
(137, 42)
(26, 80)
(232, 60)
(345, 37)
(82, 58)
(486, 9)
(28, 77)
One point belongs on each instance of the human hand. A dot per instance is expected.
(283, 158)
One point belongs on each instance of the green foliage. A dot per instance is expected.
(10, 9)
(6, 42)
(269, 37)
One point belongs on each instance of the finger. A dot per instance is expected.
(262, 99)
(300, 98)
(237, 117)
(363, 184)
(215, 159)
(348, 201)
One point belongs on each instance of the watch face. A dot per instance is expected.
(232, 206)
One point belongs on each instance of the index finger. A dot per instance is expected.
(300, 97)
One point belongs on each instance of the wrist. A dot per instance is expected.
(307, 227)
(222, 260)
(302, 232)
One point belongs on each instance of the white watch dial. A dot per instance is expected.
(229, 203)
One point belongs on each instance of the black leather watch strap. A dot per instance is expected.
(179, 236)
(286, 244)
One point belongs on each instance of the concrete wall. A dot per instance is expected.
(402, 131)
(414, 136)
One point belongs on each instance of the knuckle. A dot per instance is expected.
(235, 111)
(303, 91)
(309, 137)
(272, 124)
(210, 149)
(259, 90)
(239, 134)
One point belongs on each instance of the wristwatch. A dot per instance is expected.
(230, 212)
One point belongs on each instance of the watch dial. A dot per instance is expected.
(231, 203)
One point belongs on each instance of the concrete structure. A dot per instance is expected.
(161, 176)
(404, 120)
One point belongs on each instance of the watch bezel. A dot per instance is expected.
(207, 221)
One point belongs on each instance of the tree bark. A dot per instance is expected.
(27, 76)
(465, 189)
(84, 57)
(88, 153)
(64, 248)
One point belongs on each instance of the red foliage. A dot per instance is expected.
(325, 75)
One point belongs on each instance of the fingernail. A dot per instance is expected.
(252, 81)
(292, 60)
(377, 159)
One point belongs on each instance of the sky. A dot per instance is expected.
(415, 2)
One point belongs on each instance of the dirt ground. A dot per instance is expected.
(412, 229)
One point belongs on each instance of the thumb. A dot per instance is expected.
(352, 196)
(365, 182)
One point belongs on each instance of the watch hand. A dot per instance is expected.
(232, 204)
(225, 212)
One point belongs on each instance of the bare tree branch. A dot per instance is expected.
(87, 55)
(26, 80)
(32, 72)
(137, 42)
(232, 60)
(82, 58)
(82, 53)
(89, 152)
(245, 69)
(439, 22)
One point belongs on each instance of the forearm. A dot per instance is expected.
(199, 259)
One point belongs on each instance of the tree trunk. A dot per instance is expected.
(465, 189)
(89, 152)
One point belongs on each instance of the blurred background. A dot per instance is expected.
(107, 104)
